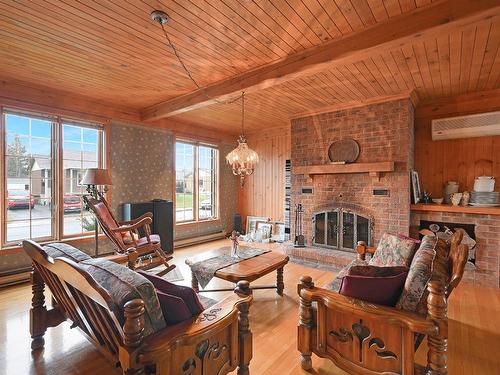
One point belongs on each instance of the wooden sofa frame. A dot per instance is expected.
(367, 339)
(217, 341)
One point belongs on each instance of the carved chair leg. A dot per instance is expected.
(305, 325)
(244, 333)
(38, 311)
(438, 344)
(280, 285)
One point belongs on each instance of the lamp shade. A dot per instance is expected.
(96, 176)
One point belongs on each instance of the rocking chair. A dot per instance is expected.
(126, 235)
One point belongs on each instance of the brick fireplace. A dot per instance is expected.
(384, 132)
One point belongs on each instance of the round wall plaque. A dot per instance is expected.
(344, 151)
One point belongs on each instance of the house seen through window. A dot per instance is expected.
(196, 184)
(35, 168)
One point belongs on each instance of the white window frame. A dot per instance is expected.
(196, 195)
(57, 190)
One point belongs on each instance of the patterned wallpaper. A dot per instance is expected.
(141, 164)
(142, 169)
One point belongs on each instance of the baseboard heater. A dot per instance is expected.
(197, 240)
(15, 277)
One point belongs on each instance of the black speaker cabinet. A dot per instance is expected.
(163, 219)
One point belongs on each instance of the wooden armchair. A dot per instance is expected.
(126, 235)
(364, 338)
(215, 342)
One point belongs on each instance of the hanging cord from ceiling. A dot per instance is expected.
(162, 18)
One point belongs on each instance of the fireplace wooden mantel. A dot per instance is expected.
(374, 169)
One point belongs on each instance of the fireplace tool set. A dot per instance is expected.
(299, 237)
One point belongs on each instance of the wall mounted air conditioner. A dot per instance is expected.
(480, 125)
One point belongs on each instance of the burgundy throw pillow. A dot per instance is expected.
(177, 302)
(380, 290)
(375, 271)
(174, 309)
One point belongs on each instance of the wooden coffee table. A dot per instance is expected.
(248, 269)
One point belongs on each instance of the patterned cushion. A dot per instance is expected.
(124, 285)
(55, 250)
(440, 271)
(144, 240)
(393, 250)
(418, 276)
(337, 282)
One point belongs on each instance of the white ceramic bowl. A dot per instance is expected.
(438, 200)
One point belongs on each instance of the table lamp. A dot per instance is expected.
(95, 177)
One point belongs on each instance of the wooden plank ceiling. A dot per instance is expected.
(110, 51)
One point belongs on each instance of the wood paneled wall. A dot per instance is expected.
(264, 191)
(456, 159)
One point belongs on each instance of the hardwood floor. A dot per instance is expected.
(473, 346)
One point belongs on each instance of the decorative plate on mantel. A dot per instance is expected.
(343, 151)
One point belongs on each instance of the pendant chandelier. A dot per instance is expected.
(242, 159)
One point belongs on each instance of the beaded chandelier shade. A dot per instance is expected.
(242, 159)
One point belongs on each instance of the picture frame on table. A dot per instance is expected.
(266, 227)
(279, 228)
(251, 225)
(278, 232)
(415, 187)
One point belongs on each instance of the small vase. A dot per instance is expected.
(234, 250)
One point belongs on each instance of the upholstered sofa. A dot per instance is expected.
(119, 311)
(364, 337)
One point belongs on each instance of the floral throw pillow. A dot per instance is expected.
(393, 250)
(414, 290)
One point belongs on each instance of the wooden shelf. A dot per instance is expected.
(374, 169)
(456, 209)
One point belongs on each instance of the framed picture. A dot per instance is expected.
(279, 228)
(278, 232)
(266, 227)
(415, 186)
(252, 223)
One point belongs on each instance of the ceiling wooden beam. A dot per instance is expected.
(395, 32)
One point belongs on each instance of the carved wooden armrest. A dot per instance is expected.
(231, 310)
(362, 250)
(131, 222)
(144, 222)
(390, 315)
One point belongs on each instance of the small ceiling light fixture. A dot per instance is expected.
(159, 16)
(242, 159)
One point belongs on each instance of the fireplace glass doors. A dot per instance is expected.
(340, 229)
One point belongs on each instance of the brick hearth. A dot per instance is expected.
(336, 259)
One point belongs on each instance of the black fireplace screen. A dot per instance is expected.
(340, 229)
